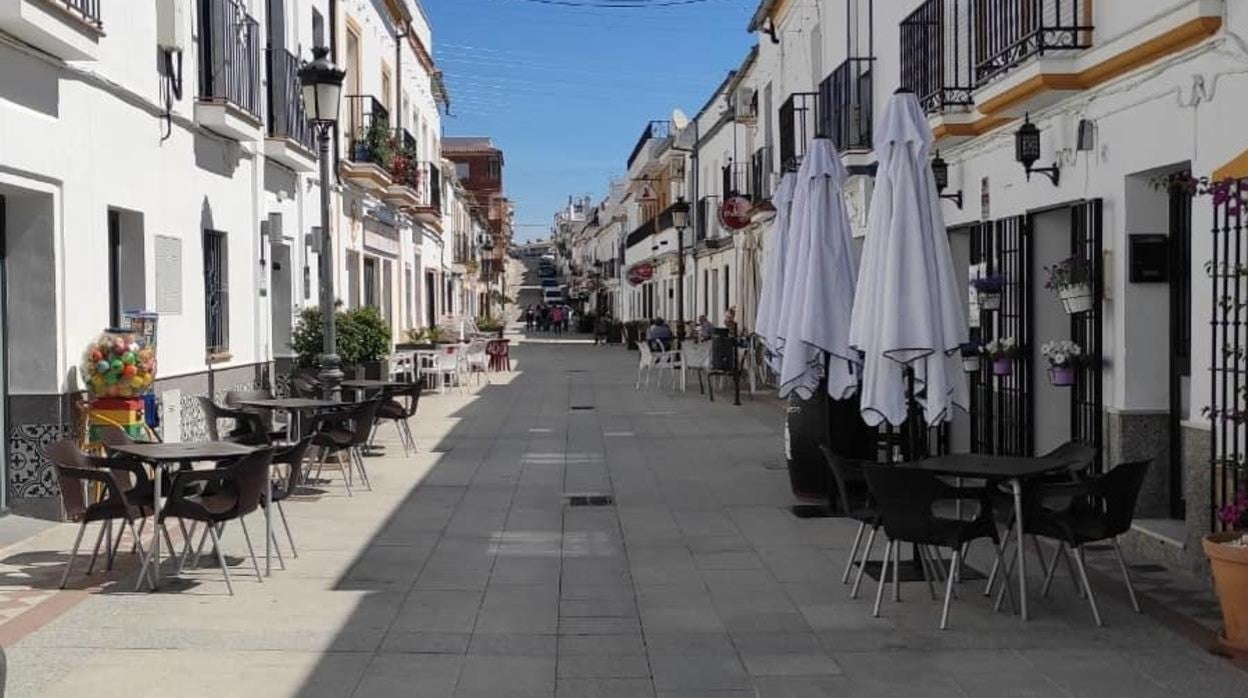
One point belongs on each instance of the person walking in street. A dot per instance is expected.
(602, 325)
(528, 318)
(569, 320)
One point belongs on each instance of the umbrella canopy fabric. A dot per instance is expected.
(908, 310)
(823, 274)
(747, 279)
(767, 322)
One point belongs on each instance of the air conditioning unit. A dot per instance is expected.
(745, 105)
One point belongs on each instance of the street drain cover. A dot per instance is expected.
(582, 407)
(589, 499)
(775, 465)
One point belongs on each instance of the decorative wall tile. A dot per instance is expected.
(30, 472)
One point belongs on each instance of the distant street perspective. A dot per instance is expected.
(624, 348)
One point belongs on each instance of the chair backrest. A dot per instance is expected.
(250, 476)
(110, 435)
(1118, 491)
(412, 395)
(211, 414)
(292, 457)
(73, 495)
(235, 398)
(447, 360)
(303, 387)
(362, 420)
(1078, 454)
(646, 355)
(904, 497)
(847, 475)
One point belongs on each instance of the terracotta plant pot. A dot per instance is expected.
(1062, 376)
(1002, 367)
(1230, 577)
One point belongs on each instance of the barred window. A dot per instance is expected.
(216, 292)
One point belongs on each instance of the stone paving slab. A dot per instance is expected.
(466, 573)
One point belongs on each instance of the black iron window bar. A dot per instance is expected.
(844, 105)
(797, 126)
(937, 54)
(366, 116)
(89, 10)
(287, 116)
(1228, 350)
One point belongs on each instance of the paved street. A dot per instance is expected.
(464, 573)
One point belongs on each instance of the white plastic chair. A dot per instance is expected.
(644, 363)
(446, 369)
(476, 361)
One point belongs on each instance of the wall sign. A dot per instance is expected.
(734, 212)
(639, 273)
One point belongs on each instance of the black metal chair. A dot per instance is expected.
(306, 387)
(292, 457)
(1100, 508)
(235, 398)
(248, 427)
(230, 493)
(344, 431)
(906, 498)
(854, 499)
(399, 406)
(74, 471)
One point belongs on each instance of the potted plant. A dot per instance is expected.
(1063, 356)
(374, 145)
(970, 356)
(1071, 278)
(988, 291)
(1002, 351)
(416, 340)
(1228, 559)
(364, 342)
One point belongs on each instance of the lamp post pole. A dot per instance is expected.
(330, 375)
(322, 97)
(680, 221)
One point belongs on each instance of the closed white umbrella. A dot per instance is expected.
(908, 310)
(767, 323)
(820, 301)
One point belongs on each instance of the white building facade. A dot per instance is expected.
(188, 186)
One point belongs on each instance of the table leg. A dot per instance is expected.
(158, 504)
(1017, 486)
(268, 521)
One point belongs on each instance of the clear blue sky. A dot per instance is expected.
(566, 91)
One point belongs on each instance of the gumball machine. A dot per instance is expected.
(119, 367)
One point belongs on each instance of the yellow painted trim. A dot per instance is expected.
(353, 25)
(970, 129)
(778, 11)
(1181, 37)
(1236, 168)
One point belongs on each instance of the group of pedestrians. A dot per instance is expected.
(549, 318)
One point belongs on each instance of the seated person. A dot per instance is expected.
(659, 336)
(705, 330)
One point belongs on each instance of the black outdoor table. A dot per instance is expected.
(162, 455)
(294, 406)
(1015, 470)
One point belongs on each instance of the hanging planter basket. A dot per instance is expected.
(970, 364)
(989, 300)
(1076, 299)
(1062, 376)
(1002, 367)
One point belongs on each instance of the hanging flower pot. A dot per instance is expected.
(1076, 298)
(988, 291)
(1002, 367)
(1062, 376)
(970, 364)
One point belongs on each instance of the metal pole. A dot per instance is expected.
(330, 375)
(680, 287)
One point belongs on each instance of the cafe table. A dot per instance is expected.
(161, 456)
(294, 407)
(1013, 469)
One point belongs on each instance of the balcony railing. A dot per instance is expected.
(404, 165)
(642, 232)
(654, 130)
(368, 131)
(736, 180)
(287, 118)
(89, 10)
(229, 55)
(1009, 32)
(845, 105)
(708, 218)
(431, 186)
(798, 119)
(938, 54)
(760, 173)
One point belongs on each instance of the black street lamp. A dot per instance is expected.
(940, 170)
(1027, 151)
(322, 98)
(680, 221)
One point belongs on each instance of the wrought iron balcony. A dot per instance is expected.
(1010, 32)
(708, 218)
(88, 10)
(938, 54)
(229, 55)
(368, 131)
(736, 180)
(760, 173)
(798, 120)
(655, 130)
(845, 104)
(287, 118)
